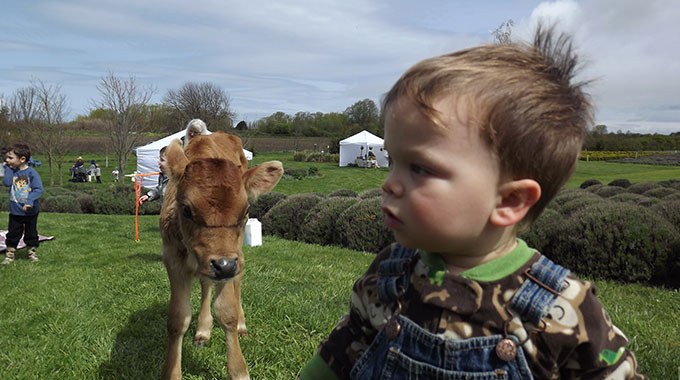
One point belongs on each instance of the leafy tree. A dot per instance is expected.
(126, 100)
(365, 114)
(275, 123)
(159, 117)
(204, 101)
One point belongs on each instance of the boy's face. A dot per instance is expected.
(13, 161)
(443, 181)
(162, 163)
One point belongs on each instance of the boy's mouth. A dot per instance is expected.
(391, 220)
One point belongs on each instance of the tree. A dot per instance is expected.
(40, 111)
(127, 100)
(22, 105)
(242, 125)
(4, 121)
(204, 101)
(365, 114)
(503, 34)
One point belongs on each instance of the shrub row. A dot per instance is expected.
(344, 218)
(620, 231)
(300, 173)
(600, 232)
(602, 155)
(118, 199)
(313, 156)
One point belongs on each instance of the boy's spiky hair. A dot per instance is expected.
(522, 101)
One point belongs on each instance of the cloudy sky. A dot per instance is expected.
(324, 55)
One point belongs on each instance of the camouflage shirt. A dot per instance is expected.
(578, 340)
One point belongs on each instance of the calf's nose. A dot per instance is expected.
(224, 268)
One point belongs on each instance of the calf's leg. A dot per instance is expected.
(227, 315)
(205, 318)
(242, 329)
(179, 317)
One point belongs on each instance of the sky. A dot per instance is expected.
(325, 55)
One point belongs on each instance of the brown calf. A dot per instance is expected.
(202, 223)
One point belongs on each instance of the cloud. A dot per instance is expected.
(324, 55)
(628, 49)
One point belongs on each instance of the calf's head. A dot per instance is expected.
(211, 207)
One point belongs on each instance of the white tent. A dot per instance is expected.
(359, 145)
(147, 157)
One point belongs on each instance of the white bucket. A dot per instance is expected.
(253, 236)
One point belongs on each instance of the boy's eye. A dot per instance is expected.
(417, 169)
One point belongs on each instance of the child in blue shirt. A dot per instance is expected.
(25, 189)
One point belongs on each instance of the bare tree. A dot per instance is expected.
(22, 105)
(50, 137)
(205, 101)
(127, 100)
(4, 121)
(39, 111)
(503, 34)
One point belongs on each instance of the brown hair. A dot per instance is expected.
(525, 106)
(20, 150)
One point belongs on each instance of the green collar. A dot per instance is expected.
(491, 271)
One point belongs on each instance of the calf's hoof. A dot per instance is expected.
(242, 330)
(200, 340)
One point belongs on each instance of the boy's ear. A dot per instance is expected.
(516, 198)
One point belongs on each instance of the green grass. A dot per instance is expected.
(334, 177)
(608, 171)
(358, 179)
(95, 306)
(100, 158)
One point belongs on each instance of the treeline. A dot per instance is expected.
(600, 140)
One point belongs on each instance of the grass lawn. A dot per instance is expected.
(358, 179)
(95, 306)
(608, 171)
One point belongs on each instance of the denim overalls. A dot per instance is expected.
(404, 350)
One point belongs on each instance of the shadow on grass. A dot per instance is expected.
(139, 349)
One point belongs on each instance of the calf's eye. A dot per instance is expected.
(186, 211)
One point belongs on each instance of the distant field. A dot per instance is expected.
(605, 172)
(358, 179)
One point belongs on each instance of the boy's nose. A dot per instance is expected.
(392, 186)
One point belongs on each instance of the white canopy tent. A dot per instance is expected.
(147, 157)
(353, 148)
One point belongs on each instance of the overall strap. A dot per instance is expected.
(394, 273)
(545, 281)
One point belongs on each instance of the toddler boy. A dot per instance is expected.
(159, 191)
(25, 189)
(479, 142)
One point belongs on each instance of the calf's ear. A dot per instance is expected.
(262, 178)
(176, 158)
